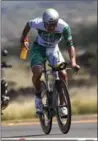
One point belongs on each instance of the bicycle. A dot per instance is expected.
(51, 106)
(4, 85)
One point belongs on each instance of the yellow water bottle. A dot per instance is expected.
(24, 49)
(23, 53)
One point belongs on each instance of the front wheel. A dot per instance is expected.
(45, 118)
(64, 121)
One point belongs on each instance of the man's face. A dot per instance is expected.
(50, 27)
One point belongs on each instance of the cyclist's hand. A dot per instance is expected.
(24, 42)
(75, 67)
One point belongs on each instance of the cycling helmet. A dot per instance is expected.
(50, 16)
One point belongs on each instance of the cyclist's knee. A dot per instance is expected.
(37, 72)
(63, 75)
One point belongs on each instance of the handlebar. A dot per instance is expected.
(60, 66)
(63, 66)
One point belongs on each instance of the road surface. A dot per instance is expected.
(79, 129)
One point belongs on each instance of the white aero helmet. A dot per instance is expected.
(50, 16)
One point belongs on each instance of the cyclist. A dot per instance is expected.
(50, 30)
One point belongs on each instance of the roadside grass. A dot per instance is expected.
(17, 111)
(84, 105)
(81, 104)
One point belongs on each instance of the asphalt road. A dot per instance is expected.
(79, 129)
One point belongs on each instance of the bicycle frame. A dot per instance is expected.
(55, 75)
(52, 105)
(48, 72)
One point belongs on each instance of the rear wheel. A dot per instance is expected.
(64, 121)
(45, 118)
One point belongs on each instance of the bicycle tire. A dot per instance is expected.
(46, 128)
(64, 128)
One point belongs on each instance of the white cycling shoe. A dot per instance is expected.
(63, 111)
(38, 105)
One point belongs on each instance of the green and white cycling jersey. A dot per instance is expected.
(48, 39)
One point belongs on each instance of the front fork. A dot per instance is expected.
(51, 93)
(49, 100)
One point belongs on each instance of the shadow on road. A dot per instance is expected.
(37, 135)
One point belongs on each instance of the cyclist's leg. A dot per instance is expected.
(37, 59)
(55, 57)
(37, 72)
(63, 76)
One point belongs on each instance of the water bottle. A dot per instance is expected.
(24, 49)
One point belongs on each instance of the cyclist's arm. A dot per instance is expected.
(69, 43)
(30, 24)
(25, 32)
